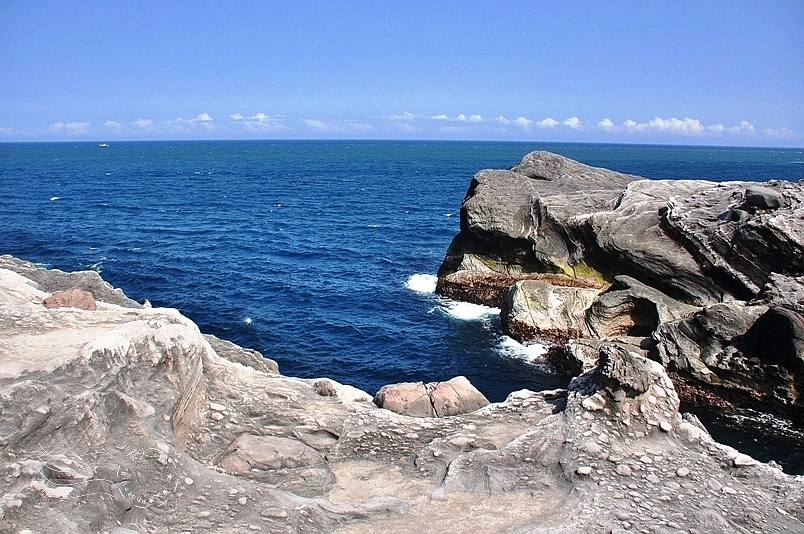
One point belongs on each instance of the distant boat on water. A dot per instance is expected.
(103, 144)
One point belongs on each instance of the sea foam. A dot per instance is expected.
(532, 353)
(467, 311)
(422, 283)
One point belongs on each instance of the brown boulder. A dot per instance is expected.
(407, 398)
(73, 298)
(436, 399)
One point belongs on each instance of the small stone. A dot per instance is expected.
(743, 460)
(276, 513)
(715, 484)
(242, 501)
(652, 478)
(188, 481)
(646, 460)
(595, 403)
(624, 470)
(618, 395)
(665, 426)
(682, 472)
(593, 448)
(584, 470)
(217, 407)
(729, 490)
(216, 416)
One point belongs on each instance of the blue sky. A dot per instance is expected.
(719, 73)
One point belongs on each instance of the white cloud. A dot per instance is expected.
(144, 124)
(686, 126)
(405, 127)
(606, 124)
(501, 120)
(743, 127)
(549, 122)
(523, 122)
(113, 125)
(574, 123)
(469, 118)
(633, 126)
(315, 124)
(440, 117)
(71, 128)
(406, 116)
(202, 117)
(783, 132)
(359, 126)
(260, 122)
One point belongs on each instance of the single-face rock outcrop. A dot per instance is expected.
(705, 277)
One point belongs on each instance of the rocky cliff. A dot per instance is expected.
(126, 418)
(706, 278)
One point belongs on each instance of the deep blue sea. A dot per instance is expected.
(319, 254)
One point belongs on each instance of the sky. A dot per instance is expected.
(667, 72)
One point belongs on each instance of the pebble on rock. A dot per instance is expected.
(584, 470)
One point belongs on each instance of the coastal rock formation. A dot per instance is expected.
(128, 419)
(704, 277)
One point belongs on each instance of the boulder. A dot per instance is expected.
(406, 398)
(72, 298)
(456, 396)
(435, 399)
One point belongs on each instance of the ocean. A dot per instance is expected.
(319, 254)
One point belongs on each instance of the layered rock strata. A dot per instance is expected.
(127, 419)
(706, 278)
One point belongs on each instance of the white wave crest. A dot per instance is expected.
(467, 311)
(422, 283)
(532, 353)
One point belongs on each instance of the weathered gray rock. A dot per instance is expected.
(631, 308)
(706, 277)
(129, 420)
(754, 352)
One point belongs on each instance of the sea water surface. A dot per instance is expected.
(319, 254)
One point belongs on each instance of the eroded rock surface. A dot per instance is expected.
(130, 420)
(707, 278)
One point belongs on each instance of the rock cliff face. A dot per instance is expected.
(704, 277)
(127, 419)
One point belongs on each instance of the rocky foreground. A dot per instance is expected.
(705, 278)
(117, 417)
